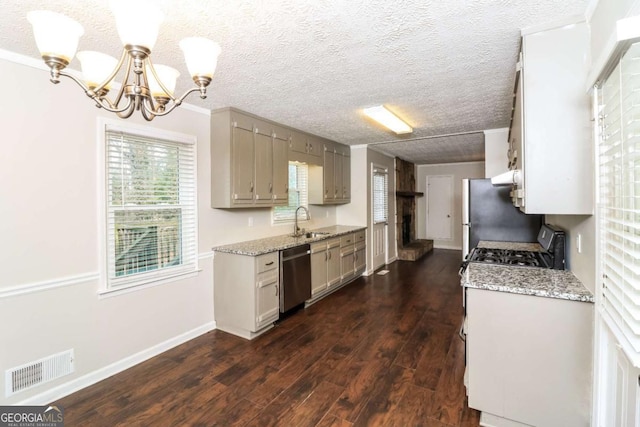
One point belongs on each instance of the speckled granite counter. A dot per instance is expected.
(542, 282)
(276, 243)
(511, 246)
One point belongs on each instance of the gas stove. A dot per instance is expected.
(551, 255)
(508, 257)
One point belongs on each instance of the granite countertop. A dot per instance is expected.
(511, 246)
(277, 243)
(541, 282)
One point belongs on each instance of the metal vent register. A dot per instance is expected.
(39, 372)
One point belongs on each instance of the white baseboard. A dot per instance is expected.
(455, 248)
(392, 260)
(91, 378)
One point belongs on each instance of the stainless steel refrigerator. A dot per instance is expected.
(489, 214)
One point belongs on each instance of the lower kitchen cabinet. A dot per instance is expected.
(335, 262)
(246, 300)
(347, 256)
(528, 359)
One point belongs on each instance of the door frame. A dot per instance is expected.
(451, 207)
(373, 167)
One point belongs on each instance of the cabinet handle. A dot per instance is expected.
(329, 255)
(277, 289)
(251, 187)
(269, 263)
(325, 256)
(270, 187)
(310, 147)
(286, 188)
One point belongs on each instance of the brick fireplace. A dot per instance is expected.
(409, 248)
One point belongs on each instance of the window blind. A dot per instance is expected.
(619, 200)
(380, 196)
(151, 208)
(298, 194)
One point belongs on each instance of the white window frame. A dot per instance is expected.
(625, 339)
(302, 216)
(384, 172)
(156, 277)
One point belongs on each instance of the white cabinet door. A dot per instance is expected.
(319, 259)
(333, 263)
(267, 299)
(264, 168)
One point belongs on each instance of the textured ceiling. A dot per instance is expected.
(446, 66)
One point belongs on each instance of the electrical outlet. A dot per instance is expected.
(579, 243)
(250, 222)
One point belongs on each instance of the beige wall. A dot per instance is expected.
(459, 171)
(51, 253)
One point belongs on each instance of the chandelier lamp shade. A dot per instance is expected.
(146, 87)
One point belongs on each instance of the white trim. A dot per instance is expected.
(46, 285)
(557, 23)
(146, 284)
(359, 146)
(100, 374)
(29, 61)
(497, 130)
(455, 248)
(206, 255)
(591, 8)
(451, 164)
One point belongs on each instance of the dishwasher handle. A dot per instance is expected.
(289, 258)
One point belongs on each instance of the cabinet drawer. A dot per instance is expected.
(360, 246)
(360, 236)
(333, 243)
(347, 240)
(318, 247)
(267, 262)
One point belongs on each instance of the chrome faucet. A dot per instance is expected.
(296, 230)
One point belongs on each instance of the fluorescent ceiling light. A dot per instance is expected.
(387, 119)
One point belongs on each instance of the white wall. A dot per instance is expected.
(459, 171)
(51, 244)
(496, 145)
(358, 211)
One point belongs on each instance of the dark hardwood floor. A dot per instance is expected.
(383, 351)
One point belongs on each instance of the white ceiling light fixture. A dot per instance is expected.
(145, 87)
(387, 119)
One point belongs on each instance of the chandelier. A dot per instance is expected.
(146, 87)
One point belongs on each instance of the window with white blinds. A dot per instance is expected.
(298, 195)
(380, 196)
(151, 208)
(619, 200)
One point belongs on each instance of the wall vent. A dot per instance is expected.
(39, 372)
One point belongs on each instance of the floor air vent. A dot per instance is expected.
(39, 372)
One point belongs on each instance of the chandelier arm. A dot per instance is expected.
(109, 106)
(126, 79)
(176, 103)
(126, 113)
(146, 113)
(153, 71)
(113, 74)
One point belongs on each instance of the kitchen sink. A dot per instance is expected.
(312, 234)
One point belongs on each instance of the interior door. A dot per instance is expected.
(380, 212)
(439, 207)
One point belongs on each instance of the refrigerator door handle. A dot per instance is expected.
(465, 240)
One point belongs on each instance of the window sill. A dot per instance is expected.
(150, 283)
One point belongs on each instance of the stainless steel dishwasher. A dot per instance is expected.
(295, 277)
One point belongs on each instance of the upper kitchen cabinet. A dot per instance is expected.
(550, 154)
(249, 161)
(305, 148)
(331, 183)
